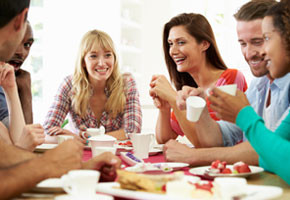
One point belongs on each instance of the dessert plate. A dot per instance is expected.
(96, 197)
(254, 192)
(51, 185)
(201, 171)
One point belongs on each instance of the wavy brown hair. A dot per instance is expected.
(199, 28)
(81, 88)
(281, 21)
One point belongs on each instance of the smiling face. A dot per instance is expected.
(99, 63)
(184, 49)
(23, 49)
(278, 61)
(251, 40)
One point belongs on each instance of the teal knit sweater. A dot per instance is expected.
(273, 147)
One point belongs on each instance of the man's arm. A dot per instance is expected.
(176, 152)
(12, 155)
(53, 163)
(23, 81)
(208, 131)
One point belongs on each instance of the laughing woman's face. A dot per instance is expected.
(276, 56)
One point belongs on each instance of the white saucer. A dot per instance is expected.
(97, 196)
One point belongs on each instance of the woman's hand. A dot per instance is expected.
(226, 105)
(161, 91)
(186, 92)
(32, 135)
(7, 76)
(54, 131)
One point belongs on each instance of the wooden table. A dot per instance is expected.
(264, 178)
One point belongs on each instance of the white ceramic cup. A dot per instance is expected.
(99, 150)
(230, 89)
(142, 143)
(102, 141)
(62, 138)
(81, 184)
(194, 108)
(94, 131)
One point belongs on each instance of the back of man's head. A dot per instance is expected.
(11, 8)
(253, 10)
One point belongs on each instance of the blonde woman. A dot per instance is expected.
(97, 93)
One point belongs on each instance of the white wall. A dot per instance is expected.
(65, 22)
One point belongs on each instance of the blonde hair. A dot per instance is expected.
(81, 88)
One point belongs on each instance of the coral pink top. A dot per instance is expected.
(229, 76)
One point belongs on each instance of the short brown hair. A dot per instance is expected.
(254, 9)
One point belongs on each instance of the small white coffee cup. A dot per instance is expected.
(62, 138)
(142, 143)
(94, 131)
(194, 108)
(230, 89)
(96, 151)
(81, 184)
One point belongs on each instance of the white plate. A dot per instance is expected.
(44, 147)
(97, 197)
(254, 192)
(154, 151)
(157, 167)
(159, 146)
(49, 185)
(201, 171)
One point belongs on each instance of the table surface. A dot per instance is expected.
(264, 178)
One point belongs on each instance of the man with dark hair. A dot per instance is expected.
(21, 170)
(13, 16)
(270, 99)
(23, 80)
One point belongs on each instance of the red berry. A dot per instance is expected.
(226, 171)
(129, 143)
(205, 186)
(215, 164)
(163, 188)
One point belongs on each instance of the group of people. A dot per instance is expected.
(231, 128)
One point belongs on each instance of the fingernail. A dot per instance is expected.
(87, 142)
(89, 136)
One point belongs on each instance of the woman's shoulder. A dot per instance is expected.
(232, 73)
(66, 83)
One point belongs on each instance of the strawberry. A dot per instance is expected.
(226, 171)
(163, 188)
(241, 167)
(129, 143)
(204, 186)
(218, 165)
(215, 164)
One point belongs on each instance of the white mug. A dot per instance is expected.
(230, 89)
(194, 108)
(142, 143)
(94, 131)
(81, 184)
